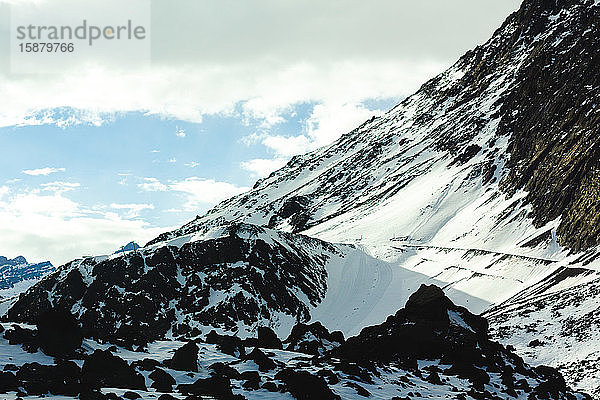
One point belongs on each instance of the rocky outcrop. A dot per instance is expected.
(236, 276)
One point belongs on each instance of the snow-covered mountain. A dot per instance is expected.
(484, 182)
(16, 275)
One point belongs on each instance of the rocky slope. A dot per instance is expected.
(431, 349)
(232, 278)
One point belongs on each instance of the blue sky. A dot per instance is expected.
(102, 151)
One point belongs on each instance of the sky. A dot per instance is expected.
(105, 148)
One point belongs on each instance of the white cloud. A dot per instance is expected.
(328, 53)
(152, 185)
(132, 210)
(172, 160)
(204, 192)
(192, 164)
(60, 187)
(326, 123)
(180, 133)
(43, 171)
(261, 167)
(75, 230)
(3, 191)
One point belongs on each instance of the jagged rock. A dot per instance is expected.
(267, 339)
(305, 386)
(146, 364)
(103, 369)
(8, 382)
(217, 386)
(185, 358)
(313, 339)
(131, 299)
(361, 391)
(232, 345)
(264, 363)
(162, 381)
(58, 333)
(252, 380)
(11, 367)
(25, 337)
(429, 327)
(60, 379)
(221, 369)
(330, 376)
(270, 386)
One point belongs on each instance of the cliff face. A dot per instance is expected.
(552, 117)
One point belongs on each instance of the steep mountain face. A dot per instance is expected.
(552, 117)
(521, 109)
(232, 278)
(430, 349)
(17, 270)
(485, 180)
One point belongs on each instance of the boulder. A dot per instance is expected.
(267, 339)
(305, 386)
(232, 345)
(162, 381)
(313, 339)
(58, 332)
(185, 358)
(103, 369)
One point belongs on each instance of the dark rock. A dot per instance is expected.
(434, 378)
(8, 382)
(422, 330)
(103, 369)
(270, 386)
(58, 333)
(216, 386)
(252, 379)
(264, 363)
(361, 391)
(25, 337)
(147, 364)
(232, 345)
(329, 375)
(91, 394)
(11, 367)
(305, 386)
(313, 339)
(131, 395)
(536, 343)
(162, 381)
(225, 370)
(185, 358)
(167, 397)
(60, 379)
(267, 339)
